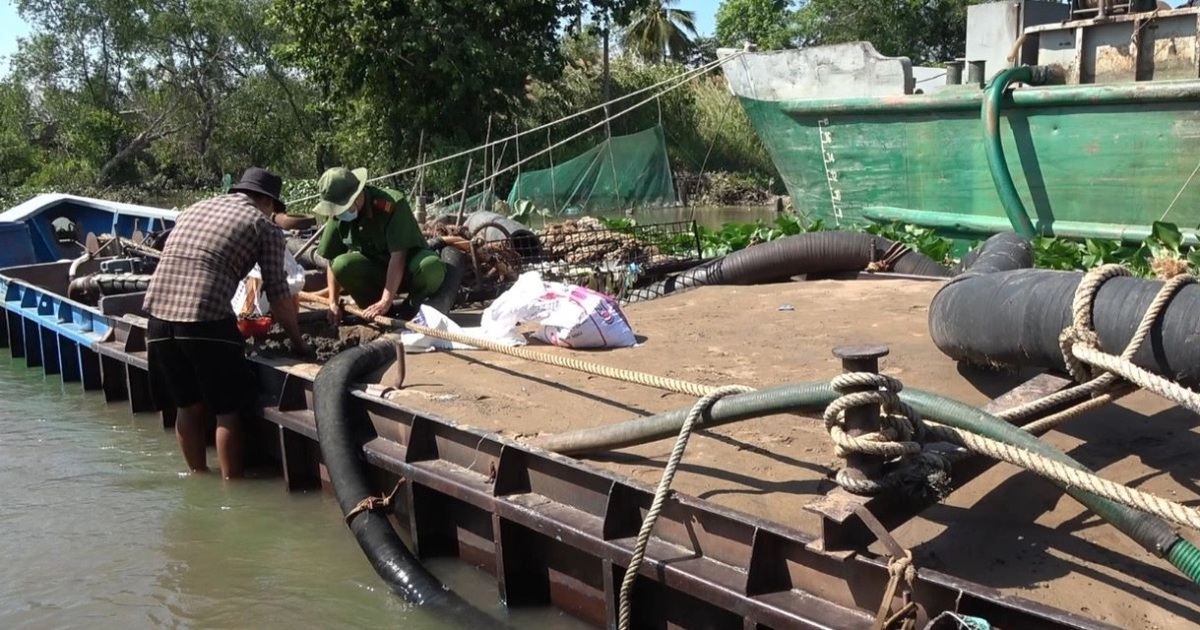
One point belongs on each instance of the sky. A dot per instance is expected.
(13, 27)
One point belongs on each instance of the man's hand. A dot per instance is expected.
(379, 308)
(335, 313)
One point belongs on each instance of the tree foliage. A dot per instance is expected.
(659, 32)
(926, 31)
(121, 89)
(147, 99)
(771, 24)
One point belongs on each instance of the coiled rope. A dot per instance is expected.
(900, 439)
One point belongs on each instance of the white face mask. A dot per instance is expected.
(348, 216)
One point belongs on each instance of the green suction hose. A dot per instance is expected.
(1185, 557)
(1149, 531)
(1001, 177)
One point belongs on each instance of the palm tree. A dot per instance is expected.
(659, 32)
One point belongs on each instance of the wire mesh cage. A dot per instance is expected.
(611, 258)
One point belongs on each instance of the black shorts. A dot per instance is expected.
(191, 362)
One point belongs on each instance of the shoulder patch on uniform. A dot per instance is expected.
(383, 205)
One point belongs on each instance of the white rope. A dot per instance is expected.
(684, 76)
(1081, 349)
(572, 138)
(694, 416)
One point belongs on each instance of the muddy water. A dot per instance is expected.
(99, 529)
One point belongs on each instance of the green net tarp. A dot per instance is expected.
(622, 172)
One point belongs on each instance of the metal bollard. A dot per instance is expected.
(975, 71)
(863, 419)
(954, 71)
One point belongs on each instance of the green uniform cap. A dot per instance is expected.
(338, 187)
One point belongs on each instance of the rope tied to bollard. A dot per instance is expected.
(901, 439)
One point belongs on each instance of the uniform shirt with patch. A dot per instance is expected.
(388, 227)
(214, 244)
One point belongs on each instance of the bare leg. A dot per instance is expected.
(229, 445)
(189, 430)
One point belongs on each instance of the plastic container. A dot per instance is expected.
(254, 326)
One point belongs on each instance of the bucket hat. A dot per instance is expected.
(263, 182)
(338, 187)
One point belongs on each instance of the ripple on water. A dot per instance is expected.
(100, 525)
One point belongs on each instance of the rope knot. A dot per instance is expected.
(1081, 331)
(899, 440)
(903, 567)
(891, 256)
(370, 504)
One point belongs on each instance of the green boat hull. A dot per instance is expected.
(1100, 159)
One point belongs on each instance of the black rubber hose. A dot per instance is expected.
(456, 268)
(1001, 252)
(828, 252)
(335, 411)
(780, 259)
(497, 227)
(1014, 318)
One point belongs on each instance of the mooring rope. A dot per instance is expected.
(1080, 344)
(560, 143)
(701, 407)
(684, 76)
(1050, 469)
(1018, 456)
(901, 436)
(570, 363)
(1104, 388)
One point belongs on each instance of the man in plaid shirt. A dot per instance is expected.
(195, 353)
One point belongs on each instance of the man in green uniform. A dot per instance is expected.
(374, 246)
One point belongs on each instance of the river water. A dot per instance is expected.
(99, 529)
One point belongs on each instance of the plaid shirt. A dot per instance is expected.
(213, 246)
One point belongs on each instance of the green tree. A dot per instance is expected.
(926, 31)
(771, 24)
(658, 32)
(133, 89)
(703, 51)
(445, 67)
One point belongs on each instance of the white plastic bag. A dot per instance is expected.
(431, 317)
(571, 316)
(262, 306)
